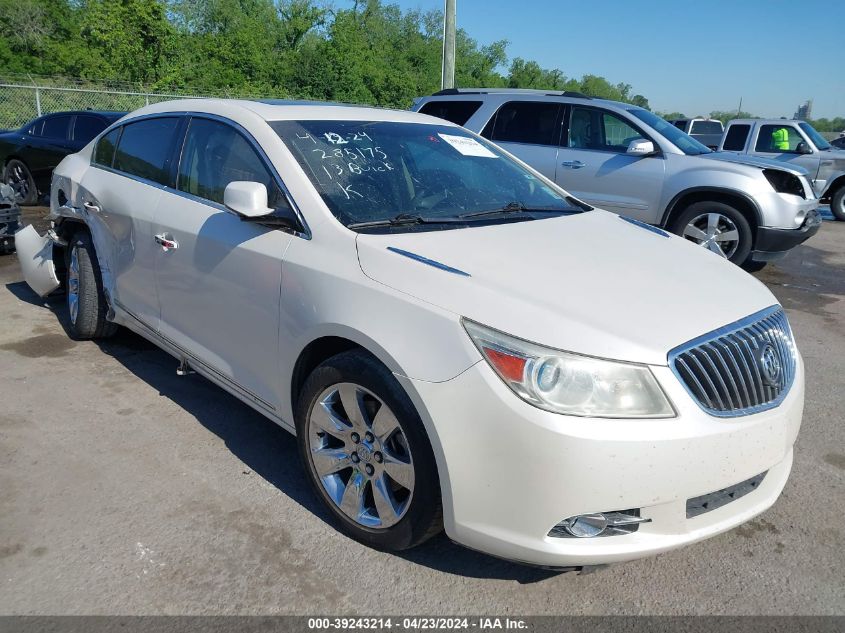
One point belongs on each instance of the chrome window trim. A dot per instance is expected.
(732, 328)
(304, 234)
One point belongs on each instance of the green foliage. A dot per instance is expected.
(368, 51)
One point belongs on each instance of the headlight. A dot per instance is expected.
(570, 383)
(784, 182)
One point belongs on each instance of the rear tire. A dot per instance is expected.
(718, 227)
(753, 267)
(87, 306)
(837, 204)
(17, 174)
(366, 453)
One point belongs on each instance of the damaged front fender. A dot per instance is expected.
(35, 253)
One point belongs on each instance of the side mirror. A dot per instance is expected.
(248, 199)
(640, 147)
(803, 148)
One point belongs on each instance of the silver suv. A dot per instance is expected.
(628, 160)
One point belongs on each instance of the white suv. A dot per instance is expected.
(455, 341)
(626, 159)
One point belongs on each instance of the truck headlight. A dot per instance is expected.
(568, 383)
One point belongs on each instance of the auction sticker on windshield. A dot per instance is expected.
(467, 146)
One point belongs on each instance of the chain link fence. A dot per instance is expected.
(23, 99)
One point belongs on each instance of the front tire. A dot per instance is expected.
(717, 227)
(366, 453)
(86, 302)
(837, 204)
(17, 174)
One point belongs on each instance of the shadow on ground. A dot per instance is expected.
(265, 448)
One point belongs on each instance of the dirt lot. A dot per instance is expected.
(125, 489)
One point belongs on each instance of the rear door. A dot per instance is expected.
(593, 165)
(530, 130)
(46, 149)
(219, 281)
(119, 194)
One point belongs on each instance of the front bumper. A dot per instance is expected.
(510, 472)
(773, 243)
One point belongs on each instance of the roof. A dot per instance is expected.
(281, 110)
(765, 121)
(108, 114)
(531, 91)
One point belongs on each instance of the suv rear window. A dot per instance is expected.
(531, 122)
(458, 112)
(706, 127)
(736, 137)
(145, 148)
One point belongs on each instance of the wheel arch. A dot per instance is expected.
(743, 202)
(832, 187)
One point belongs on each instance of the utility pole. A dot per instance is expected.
(739, 109)
(447, 79)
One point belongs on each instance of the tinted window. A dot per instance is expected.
(56, 127)
(526, 122)
(777, 138)
(706, 127)
(599, 130)
(87, 127)
(681, 125)
(216, 154)
(736, 137)
(35, 128)
(145, 148)
(458, 112)
(104, 152)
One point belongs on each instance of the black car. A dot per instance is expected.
(838, 143)
(30, 154)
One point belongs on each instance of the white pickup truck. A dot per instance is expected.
(706, 131)
(795, 143)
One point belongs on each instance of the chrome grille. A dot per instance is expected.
(742, 368)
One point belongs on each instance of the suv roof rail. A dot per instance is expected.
(474, 91)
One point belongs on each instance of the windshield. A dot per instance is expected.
(372, 171)
(818, 140)
(687, 144)
(706, 127)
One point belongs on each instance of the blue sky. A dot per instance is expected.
(687, 57)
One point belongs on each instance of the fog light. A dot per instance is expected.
(585, 525)
(599, 524)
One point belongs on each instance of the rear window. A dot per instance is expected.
(534, 123)
(706, 127)
(56, 127)
(104, 153)
(681, 125)
(87, 127)
(457, 112)
(145, 148)
(736, 137)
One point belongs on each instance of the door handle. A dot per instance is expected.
(90, 207)
(166, 243)
(574, 164)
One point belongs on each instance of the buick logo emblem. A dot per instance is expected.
(769, 363)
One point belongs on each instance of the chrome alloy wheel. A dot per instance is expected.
(360, 455)
(715, 232)
(18, 179)
(73, 284)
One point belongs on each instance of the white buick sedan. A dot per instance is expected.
(455, 341)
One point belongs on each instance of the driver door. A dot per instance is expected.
(219, 277)
(593, 165)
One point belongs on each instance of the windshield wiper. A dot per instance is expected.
(518, 207)
(403, 219)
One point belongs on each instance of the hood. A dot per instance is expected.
(591, 283)
(755, 161)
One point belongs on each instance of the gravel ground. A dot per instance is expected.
(125, 489)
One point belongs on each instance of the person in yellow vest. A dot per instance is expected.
(780, 139)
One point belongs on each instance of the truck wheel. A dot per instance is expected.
(837, 204)
(86, 301)
(717, 227)
(367, 454)
(17, 174)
